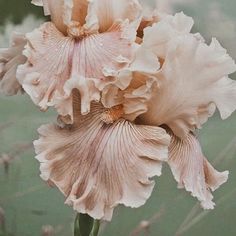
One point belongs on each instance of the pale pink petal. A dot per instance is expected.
(191, 84)
(98, 166)
(59, 11)
(10, 59)
(91, 15)
(157, 37)
(58, 64)
(134, 96)
(192, 171)
(134, 86)
(105, 13)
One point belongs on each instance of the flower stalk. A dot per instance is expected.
(86, 226)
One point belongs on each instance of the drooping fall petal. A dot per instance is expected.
(192, 82)
(58, 64)
(192, 171)
(10, 59)
(98, 166)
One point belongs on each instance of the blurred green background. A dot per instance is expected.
(28, 207)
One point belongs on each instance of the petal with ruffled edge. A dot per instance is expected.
(134, 98)
(10, 59)
(149, 17)
(98, 166)
(58, 64)
(157, 36)
(192, 82)
(192, 171)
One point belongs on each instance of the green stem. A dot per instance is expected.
(76, 226)
(85, 225)
(96, 226)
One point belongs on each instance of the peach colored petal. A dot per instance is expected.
(149, 17)
(91, 15)
(134, 98)
(59, 10)
(79, 11)
(105, 13)
(157, 37)
(133, 87)
(10, 59)
(191, 84)
(98, 166)
(192, 171)
(58, 64)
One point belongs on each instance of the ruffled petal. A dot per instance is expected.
(98, 166)
(58, 64)
(157, 37)
(134, 98)
(192, 171)
(149, 17)
(134, 86)
(191, 84)
(10, 59)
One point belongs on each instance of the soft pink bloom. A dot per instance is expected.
(131, 87)
(191, 83)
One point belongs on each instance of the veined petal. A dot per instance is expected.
(108, 12)
(192, 82)
(58, 64)
(10, 59)
(192, 170)
(98, 166)
(157, 36)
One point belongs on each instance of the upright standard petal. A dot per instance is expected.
(157, 36)
(192, 82)
(98, 166)
(10, 59)
(105, 13)
(58, 64)
(59, 11)
(192, 171)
